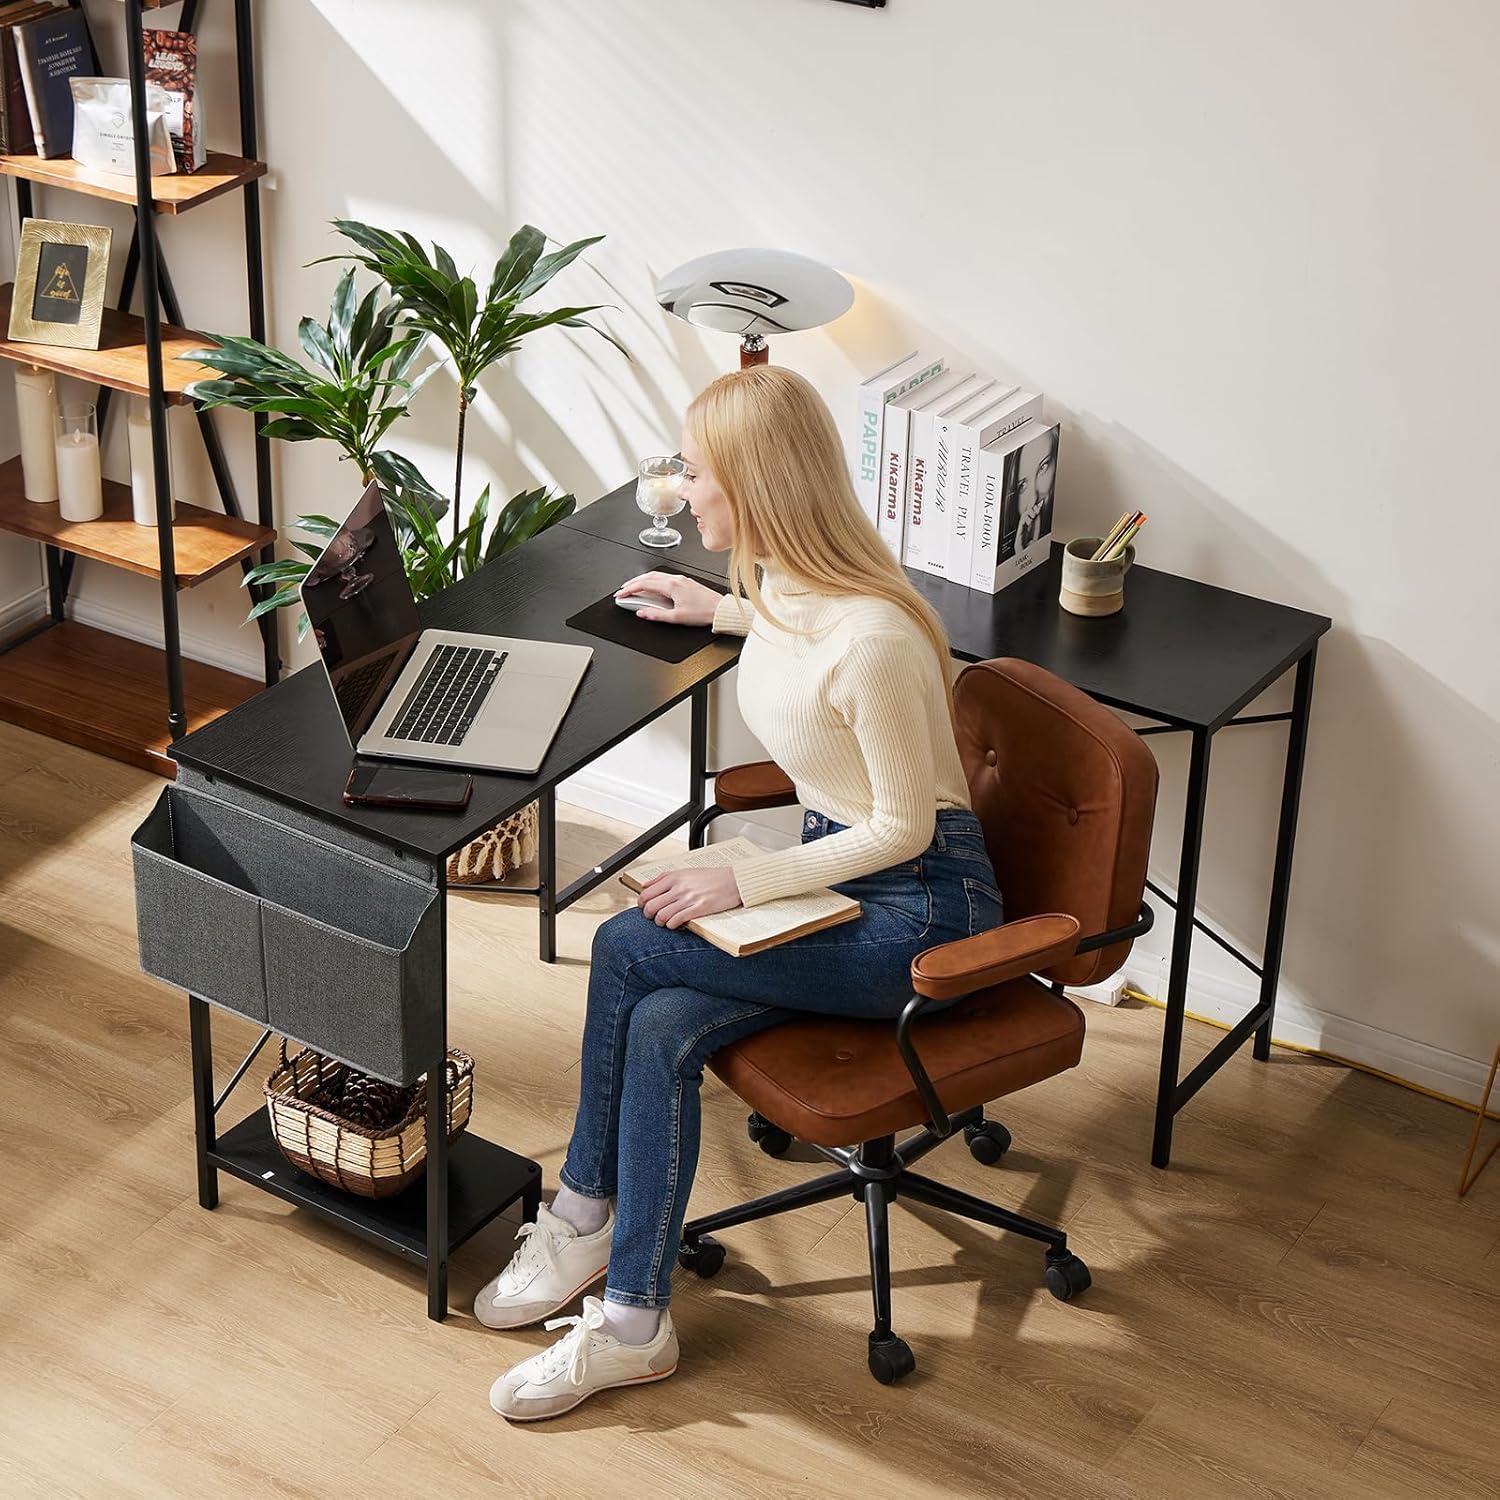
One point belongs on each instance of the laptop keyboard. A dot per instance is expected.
(440, 709)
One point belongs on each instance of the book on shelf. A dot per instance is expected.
(889, 384)
(947, 475)
(895, 468)
(971, 432)
(15, 116)
(922, 465)
(52, 49)
(1017, 481)
(749, 929)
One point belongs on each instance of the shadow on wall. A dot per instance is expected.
(1395, 888)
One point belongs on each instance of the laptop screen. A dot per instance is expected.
(362, 612)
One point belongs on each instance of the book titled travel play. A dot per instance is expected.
(749, 929)
(51, 50)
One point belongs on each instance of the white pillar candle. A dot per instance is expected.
(80, 490)
(142, 472)
(35, 406)
(665, 491)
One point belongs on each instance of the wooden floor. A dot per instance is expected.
(1299, 1307)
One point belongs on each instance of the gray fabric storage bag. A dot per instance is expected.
(366, 990)
(313, 939)
(197, 923)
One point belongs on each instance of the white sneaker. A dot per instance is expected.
(553, 1265)
(583, 1361)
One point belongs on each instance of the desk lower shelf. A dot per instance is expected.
(483, 1180)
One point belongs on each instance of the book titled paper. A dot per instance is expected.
(890, 384)
(749, 929)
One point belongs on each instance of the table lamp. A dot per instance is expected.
(755, 293)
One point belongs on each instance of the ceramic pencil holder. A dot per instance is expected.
(1092, 588)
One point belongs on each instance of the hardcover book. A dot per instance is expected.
(949, 475)
(1018, 478)
(15, 116)
(750, 929)
(888, 384)
(895, 467)
(922, 463)
(52, 49)
(1007, 412)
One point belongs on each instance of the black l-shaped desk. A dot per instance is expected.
(1185, 654)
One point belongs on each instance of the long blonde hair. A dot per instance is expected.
(773, 447)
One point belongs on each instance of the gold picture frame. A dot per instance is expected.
(66, 308)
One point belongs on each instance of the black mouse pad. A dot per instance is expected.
(606, 621)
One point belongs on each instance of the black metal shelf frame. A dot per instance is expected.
(146, 265)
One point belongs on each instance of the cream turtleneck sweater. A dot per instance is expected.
(854, 711)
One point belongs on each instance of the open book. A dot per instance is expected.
(751, 929)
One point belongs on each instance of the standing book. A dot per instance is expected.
(1018, 478)
(890, 384)
(948, 476)
(1010, 410)
(895, 469)
(52, 50)
(749, 929)
(15, 117)
(921, 467)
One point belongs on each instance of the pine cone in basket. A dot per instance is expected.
(372, 1102)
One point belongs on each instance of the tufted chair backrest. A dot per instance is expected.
(1066, 793)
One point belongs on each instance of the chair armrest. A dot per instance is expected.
(758, 784)
(1006, 952)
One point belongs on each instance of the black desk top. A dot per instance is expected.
(1185, 652)
(289, 743)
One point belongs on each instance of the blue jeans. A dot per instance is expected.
(662, 1002)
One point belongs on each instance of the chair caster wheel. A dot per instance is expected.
(704, 1255)
(771, 1139)
(890, 1359)
(988, 1141)
(1066, 1276)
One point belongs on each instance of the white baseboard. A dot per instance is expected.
(1299, 1024)
(21, 612)
(147, 628)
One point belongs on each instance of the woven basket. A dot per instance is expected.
(371, 1163)
(497, 851)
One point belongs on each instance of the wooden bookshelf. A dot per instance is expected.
(120, 359)
(102, 692)
(174, 193)
(204, 542)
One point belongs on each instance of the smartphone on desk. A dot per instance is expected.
(408, 786)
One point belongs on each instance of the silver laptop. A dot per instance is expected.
(428, 695)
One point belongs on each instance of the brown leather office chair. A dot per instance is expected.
(1066, 794)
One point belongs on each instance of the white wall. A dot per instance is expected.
(1248, 253)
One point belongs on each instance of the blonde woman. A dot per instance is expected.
(844, 680)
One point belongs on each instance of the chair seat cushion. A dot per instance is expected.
(832, 1082)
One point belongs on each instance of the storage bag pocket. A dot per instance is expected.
(313, 939)
(197, 920)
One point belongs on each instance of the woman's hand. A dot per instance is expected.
(692, 603)
(675, 897)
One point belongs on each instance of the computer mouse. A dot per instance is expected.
(643, 601)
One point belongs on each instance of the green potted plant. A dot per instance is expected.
(358, 384)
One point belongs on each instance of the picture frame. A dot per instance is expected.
(61, 270)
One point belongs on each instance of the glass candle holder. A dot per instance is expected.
(80, 486)
(658, 492)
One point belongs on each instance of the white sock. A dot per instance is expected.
(586, 1215)
(631, 1324)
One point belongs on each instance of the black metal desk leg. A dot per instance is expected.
(546, 874)
(437, 1137)
(1182, 947)
(697, 763)
(201, 1033)
(1286, 835)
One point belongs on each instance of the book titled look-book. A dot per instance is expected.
(749, 929)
